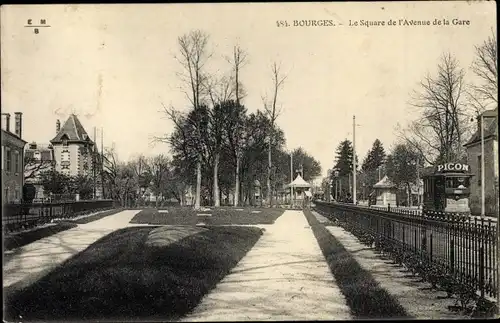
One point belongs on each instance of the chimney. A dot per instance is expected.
(19, 124)
(58, 126)
(7, 121)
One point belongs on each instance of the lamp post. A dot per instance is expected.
(354, 160)
(291, 178)
(329, 191)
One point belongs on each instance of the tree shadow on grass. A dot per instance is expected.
(364, 296)
(121, 278)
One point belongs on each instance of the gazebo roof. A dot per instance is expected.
(384, 183)
(299, 182)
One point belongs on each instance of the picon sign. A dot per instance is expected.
(453, 167)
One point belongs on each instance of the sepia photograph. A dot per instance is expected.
(256, 161)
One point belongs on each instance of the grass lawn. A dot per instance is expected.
(20, 239)
(364, 296)
(122, 277)
(219, 216)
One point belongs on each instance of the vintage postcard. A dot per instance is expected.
(250, 161)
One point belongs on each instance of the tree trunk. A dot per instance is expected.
(269, 193)
(197, 201)
(237, 182)
(216, 192)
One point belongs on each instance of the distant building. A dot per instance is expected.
(473, 147)
(12, 159)
(74, 152)
(38, 159)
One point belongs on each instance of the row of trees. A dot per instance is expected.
(217, 145)
(445, 104)
(401, 165)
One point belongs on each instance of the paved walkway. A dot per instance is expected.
(283, 277)
(30, 262)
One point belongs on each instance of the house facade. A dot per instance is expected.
(474, 157)
(74, 152)
(12, 159)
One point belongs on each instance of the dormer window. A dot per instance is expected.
(64, 140)
(85, 137)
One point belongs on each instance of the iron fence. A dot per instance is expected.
(463, 248)
(16, 216)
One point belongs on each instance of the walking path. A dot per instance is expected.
(27, 264)
(283, 277)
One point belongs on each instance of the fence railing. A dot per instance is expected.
(460, 249)
(16, 216)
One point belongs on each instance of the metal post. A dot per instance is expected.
(482, 168)
(354, 160)
(291, 176)
(418, 183)
(93, 162)
(102, 161)
(340, 188)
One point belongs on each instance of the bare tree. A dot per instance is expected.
(159, 166)
(273, 112)
(219, 89)
(193, 57)
(485, 67)
(140, 166)
(438, 133)
(235, 135)
(238, 61)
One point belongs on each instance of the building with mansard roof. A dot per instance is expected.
(72, 148)
(75, 153)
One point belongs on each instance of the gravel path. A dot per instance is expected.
(28, 263)
(283, 277)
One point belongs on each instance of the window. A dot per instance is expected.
(479, 170)
(3, 154)
(8, 157)
(16, 194)
(456, 182)
(16, 162)
(6, 194)
(65, 155)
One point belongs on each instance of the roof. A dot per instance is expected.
(41, 152)
(490, 127)
(73, 130)
(6, 134)
(384, 183)
(299, 182)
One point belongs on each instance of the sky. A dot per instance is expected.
(114, 66)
